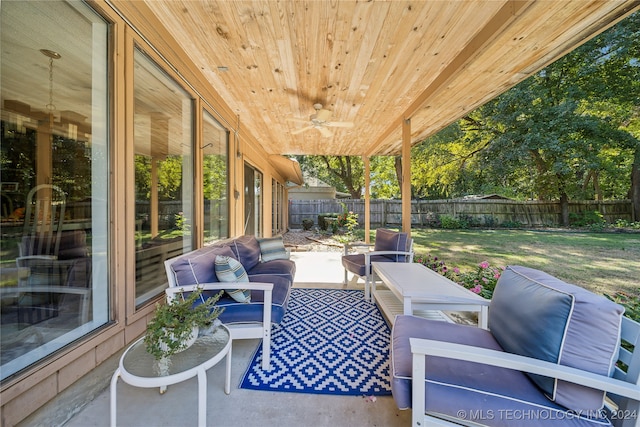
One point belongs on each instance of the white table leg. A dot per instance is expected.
(407, 307)
(202, 398)
(483, 317)
(114, 384)
(367, 289)
(227, 381)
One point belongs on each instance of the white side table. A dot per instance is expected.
(139, 368)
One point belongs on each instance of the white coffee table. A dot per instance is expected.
(412, 287)
(139, 368)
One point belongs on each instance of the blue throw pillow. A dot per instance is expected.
(272, 248)
(230, 270)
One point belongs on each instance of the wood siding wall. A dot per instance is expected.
(388, 213)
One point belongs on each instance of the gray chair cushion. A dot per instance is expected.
(535, 314)
(473, 391)
(355, 263)
(389, 240)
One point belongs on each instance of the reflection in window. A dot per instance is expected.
(163, 174)
(215, 180)
(54, 168)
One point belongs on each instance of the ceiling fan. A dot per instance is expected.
(320, 120)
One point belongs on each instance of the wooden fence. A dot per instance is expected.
(492, 212)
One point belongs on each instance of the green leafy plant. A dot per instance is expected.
(325, 224)
(449, 223)
(173, 323)
(432, 262)
(591, 219)
(182, 223)
(307, 224)
(348, 220)
(481, 281)
(511, 224)
(631, 304)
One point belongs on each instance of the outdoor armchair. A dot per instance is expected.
(554, 355)
(390, 246)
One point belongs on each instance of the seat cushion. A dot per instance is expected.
(473, 390)
(535, 314)
(355, 263)
(197, 267)
(235, 312)
(262, 272)
(246, 250)
(389, 240)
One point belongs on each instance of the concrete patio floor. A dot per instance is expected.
(179, 405)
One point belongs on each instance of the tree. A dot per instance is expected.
(566, 132)
(343, 172)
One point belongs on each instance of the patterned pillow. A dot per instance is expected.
(230, 270)
(272, 248)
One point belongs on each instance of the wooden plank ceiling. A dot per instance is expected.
(372, 63)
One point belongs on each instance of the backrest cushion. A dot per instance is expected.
(197, 267)
(389, 240)
(272, 248)
(246, 250)
(535, 314)
(230, 270)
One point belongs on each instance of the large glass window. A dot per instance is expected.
(277, 207)
(252, 201)
(215, 179)
(163, 174)
(54, 174)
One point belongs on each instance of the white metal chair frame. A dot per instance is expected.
(238, 331)
(623, 389)
(367, 261)
(43, 220)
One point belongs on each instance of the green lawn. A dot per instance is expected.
(601, 262)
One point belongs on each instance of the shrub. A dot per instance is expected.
(432, 262)
(449, 223)
(307, 224)
(348, 220)
(325, 224)
(482, 280)
(623, 223)
(431, 219)
(589, 219)
(511, 224)
(631, 304)
(490, 221)
(467, 221)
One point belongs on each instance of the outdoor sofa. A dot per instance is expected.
(265, 275)
(548, 358)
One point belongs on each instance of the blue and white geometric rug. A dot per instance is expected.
(330, 341)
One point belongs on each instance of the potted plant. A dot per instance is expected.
(175, 325)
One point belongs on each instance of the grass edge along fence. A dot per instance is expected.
(474, 212)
